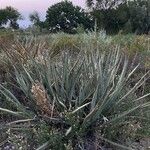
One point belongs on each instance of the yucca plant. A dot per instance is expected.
(74, 95)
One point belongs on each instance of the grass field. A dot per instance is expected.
(74, 92)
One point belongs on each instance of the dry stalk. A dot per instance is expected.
(41, 99)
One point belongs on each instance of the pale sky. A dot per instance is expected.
(25, 7)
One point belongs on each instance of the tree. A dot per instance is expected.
(35, 18)
(116, 18)
(115, 15)
(112, 20)
(139, 16)
(10, 15)
(103, 4)
(3, 17)
(65, 17)
(110, 15)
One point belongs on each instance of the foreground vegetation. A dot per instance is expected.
(114, 16)
(84, 91)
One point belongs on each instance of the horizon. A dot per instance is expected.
(25, 7)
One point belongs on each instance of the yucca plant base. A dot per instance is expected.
(75, 102)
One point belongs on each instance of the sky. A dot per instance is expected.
(25, 7)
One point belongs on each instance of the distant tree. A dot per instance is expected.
(116, 18)
(115, 15)
(112, 20)
(35, 19)
(139, 11)
(104, 4)
(10, 15)
(65, 17)
(3, 17)
(109, 15)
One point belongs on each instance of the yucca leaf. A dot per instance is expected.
(79, 108)
(20, 121)
(136, 86)
(142, 97)
(10, 96)
(44, 146)
(11, 112)
(115, 144)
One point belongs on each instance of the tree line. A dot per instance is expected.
(113, 16)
